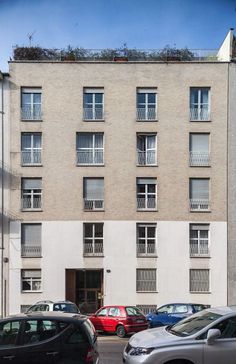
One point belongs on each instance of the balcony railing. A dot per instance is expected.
(199, 114)
(199, 204)
(31, 251)
(146, 114)
(93, 114)
(146, 203)
(93, 204)
(90, 157)
(146, 249)
(30, 157)
(199, 159)
(147, 158)
(93, 249)
(31, 112)
(197, 249)
(31, 203)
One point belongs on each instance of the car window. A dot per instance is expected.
(180, 308)
(77, 337)
(133, 311)
(227, 328)
(38, 330)
(166, 309)
(102, 312)
(114, 311)
(198, 308)
(66, 307)
(8, 333)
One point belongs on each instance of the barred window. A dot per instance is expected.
(146, 280)
(199, 280)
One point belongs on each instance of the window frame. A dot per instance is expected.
(147, 115)
(94, 204)
(199, 204)
(199, 104)
(93, 239)
(92, 149)
(31, 150)
(146, 194)
(32, 194)
(93, 91)
(146, 239)
(31, 112)
(208, 283)
(31, 280)
(203, 157)
(198, 240)
(146, 150)
(144, 282)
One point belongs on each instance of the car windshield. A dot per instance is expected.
(193, 324)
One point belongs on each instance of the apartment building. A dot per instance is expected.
(121, 182)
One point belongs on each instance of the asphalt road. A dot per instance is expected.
(110, 348)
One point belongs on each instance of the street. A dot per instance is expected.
(110, 349)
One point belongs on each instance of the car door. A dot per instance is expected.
(164, 315)
(9, 338)
(180, 311)
(99, 319)
(222, 350)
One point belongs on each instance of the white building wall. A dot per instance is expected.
(62, 248)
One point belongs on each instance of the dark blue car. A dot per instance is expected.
(172, 313)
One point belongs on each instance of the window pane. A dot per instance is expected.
(98, 230)
(151, 231)
(88, 230)
(141, 231)
(85, 140)
(94, 188)
(26, 141)
(152, 98)
(88, 98)
(194, 96)
(98, 98)
(151, 188)
(31, 234)
(37, 98)
(204, 96)
(98, 140)
(141, 98)
(36, 140)
(199, 188)
(26, 99)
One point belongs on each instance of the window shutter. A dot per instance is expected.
(30, 183)
(94, 188)
(199, 142)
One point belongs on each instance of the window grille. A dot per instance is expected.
(146, 280)
(199, 280)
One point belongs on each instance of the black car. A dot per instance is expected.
(45, 338)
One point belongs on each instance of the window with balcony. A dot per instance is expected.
(93, 104)
(31, 240)
(31, 280)
(199, 104)
(199, 155)
(90, 149)
(199, 240)
(199, 194)
(31, 104)
(146, 193)
(31, 193)
(146, 280)
(199, 280)
(93, 239)
(31, 148)
(146, 149)
(146, 104)
(93, 194)
(146, 240)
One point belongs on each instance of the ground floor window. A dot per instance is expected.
(146, 280)
(31, 280)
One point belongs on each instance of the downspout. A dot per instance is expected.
(2, 207)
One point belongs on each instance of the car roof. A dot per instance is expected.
(57, 315)
(223, 310)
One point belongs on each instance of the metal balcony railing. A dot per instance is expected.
(93, 249)
(199, 159)
(31, 251)
(93, 204)
(199, 248)
(146, 249)
(30, 157)
(93, 114)
(147, 158)
(31, 112)
(31, 202)
(146, 203)
(199, 204)
(199, 114)
(146, 114)
(90, 157)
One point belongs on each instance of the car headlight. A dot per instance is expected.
(141, 351)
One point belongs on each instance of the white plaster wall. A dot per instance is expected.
(62, 248)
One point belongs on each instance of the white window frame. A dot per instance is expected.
(31, 281)
(92, 151)
(145, 196)
(31, 105)
(197, 282)
(31, 194)
(199, 158)
(198, 205)
(144, 114)
(202, 248)
(33, 152)
(93, 204)
(199, 115)
(146, 285)
(94, 108)
(146, 238)
(93, 240)
(143, 156)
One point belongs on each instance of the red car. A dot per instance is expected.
(119, 319)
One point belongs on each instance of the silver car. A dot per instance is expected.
(207, 337)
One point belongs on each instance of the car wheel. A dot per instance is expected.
(120, 331)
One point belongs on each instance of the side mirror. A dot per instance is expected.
(212, 335)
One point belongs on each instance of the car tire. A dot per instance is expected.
(120, 331)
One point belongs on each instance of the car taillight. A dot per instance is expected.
(89, 356)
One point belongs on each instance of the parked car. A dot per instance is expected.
(121, 320)
(52, 337)
(64, 306)
(172, 313)
(207, 337)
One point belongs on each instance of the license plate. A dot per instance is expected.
(139, 321)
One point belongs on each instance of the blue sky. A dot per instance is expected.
(197, 24)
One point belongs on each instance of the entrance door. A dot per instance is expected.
(86, 288)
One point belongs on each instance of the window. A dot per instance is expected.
(38, 330)
(146, 280)
(93, 239)
(31, 240)
(146, 239)
(199, 280)
(31, 193)
(199, 194)
(227, 328)
(9, 331)
(146, 104)
(90, 148)
(199, 240)
(146, 149)
(93, 104)
(114, 312)
(199, 104)
(31, 104)
(93, 193)
(31, 148)
(166, 309)
(31, 280)
(199, 155)
(146, 193)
